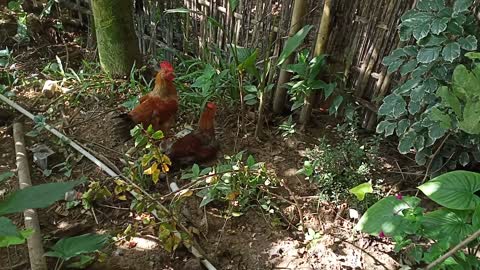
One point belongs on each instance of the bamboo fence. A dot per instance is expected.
(362, 32)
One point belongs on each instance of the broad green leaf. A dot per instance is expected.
(157, 135)
(428, 55)
(402, 127)
(439, 25)
(476, 218)
(414, 107)
(422, 30)
(465, 82)
(406, 142)
(386, 127)
(408, 67)
(451, 51)
(405, 32)
(7, 228)
(70, 247)
(445, 223)
(421, 158)
(471, 117)
(450, 100)
(394, 66)
(420, 70)
(454, 190)
(410, 50)
(82, 262)
(316, 65)
(468, 43)
(393, 57)
(5, 176)
(361, 190)
(6, 241)
(433, 40)
(407, 86)
(393, 105)
(418, 93)
(441, 117)
(462, 5)
(385, 215)
(455, 28)
(419, 144)
(196, 170)
(39, 196)
(473, 55)
(293, 42)
(436, 131)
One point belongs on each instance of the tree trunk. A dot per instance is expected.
(116, 39)
(320, 46)
(296, 24)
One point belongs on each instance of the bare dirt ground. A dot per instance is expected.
(251, 241)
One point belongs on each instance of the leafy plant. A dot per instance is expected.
(305, 79)
(338, 168)
(426, 235)
(39, 196)
(236, 182)
(287, 128)
(153, 162)
(67, 248)
(415, 111)
(22, 34)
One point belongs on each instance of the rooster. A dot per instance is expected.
(157, 108)
(200, 146)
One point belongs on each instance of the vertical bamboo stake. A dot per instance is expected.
(320, 45)
(34, 242)
(299, 9)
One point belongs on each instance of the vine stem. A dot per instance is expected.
(453, 250)
(433, 157)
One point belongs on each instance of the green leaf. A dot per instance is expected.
(450, 100)
(393, 105)
(476, 218)
(445, 223)
(362, 189)
(428, 55)
(386, 215)
(408, 67)
(439, 25)
(406, 142)
(195, 170)
(7, 228)
(250, 161)
(433, 40)
(451, 51)
(471, 117)
(454, 190)
(233, 4)
(157, 135)
(473, 55)
(293, 42)
(394, 66)
(436, 131)
(5, 176)
(410, 50)
(386, 127)
(405, 32)
(468, 43)
(402, 127)
(421, 30)
(335, 105)
(82, 263)
(70, 247)
(455, 28)
(464, 159)
(462, 5)
(441, 117)
(6, 241)
(39, 196)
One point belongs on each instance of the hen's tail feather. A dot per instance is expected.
(123, 125)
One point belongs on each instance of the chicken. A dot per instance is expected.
(157, 108)
(200, 146)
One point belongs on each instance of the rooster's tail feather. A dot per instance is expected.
(123, 125)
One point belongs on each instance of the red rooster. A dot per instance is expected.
(157, 108)
(199, 146)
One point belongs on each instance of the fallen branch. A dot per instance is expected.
(34, 242)
(113, 174)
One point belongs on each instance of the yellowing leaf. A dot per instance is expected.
(152, 169)
(165, 168)
(185, 193)
(156, 176)
(232, 195)
(122, 198)
(166, 160)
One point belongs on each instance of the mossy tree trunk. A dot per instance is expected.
(116, 40)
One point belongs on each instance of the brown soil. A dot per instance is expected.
(254, 240)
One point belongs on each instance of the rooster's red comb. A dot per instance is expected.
(166, 65)
(211, 106)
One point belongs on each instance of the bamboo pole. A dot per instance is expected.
(34, 242)
(192, 247)
(299, 9)
(322, 39)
